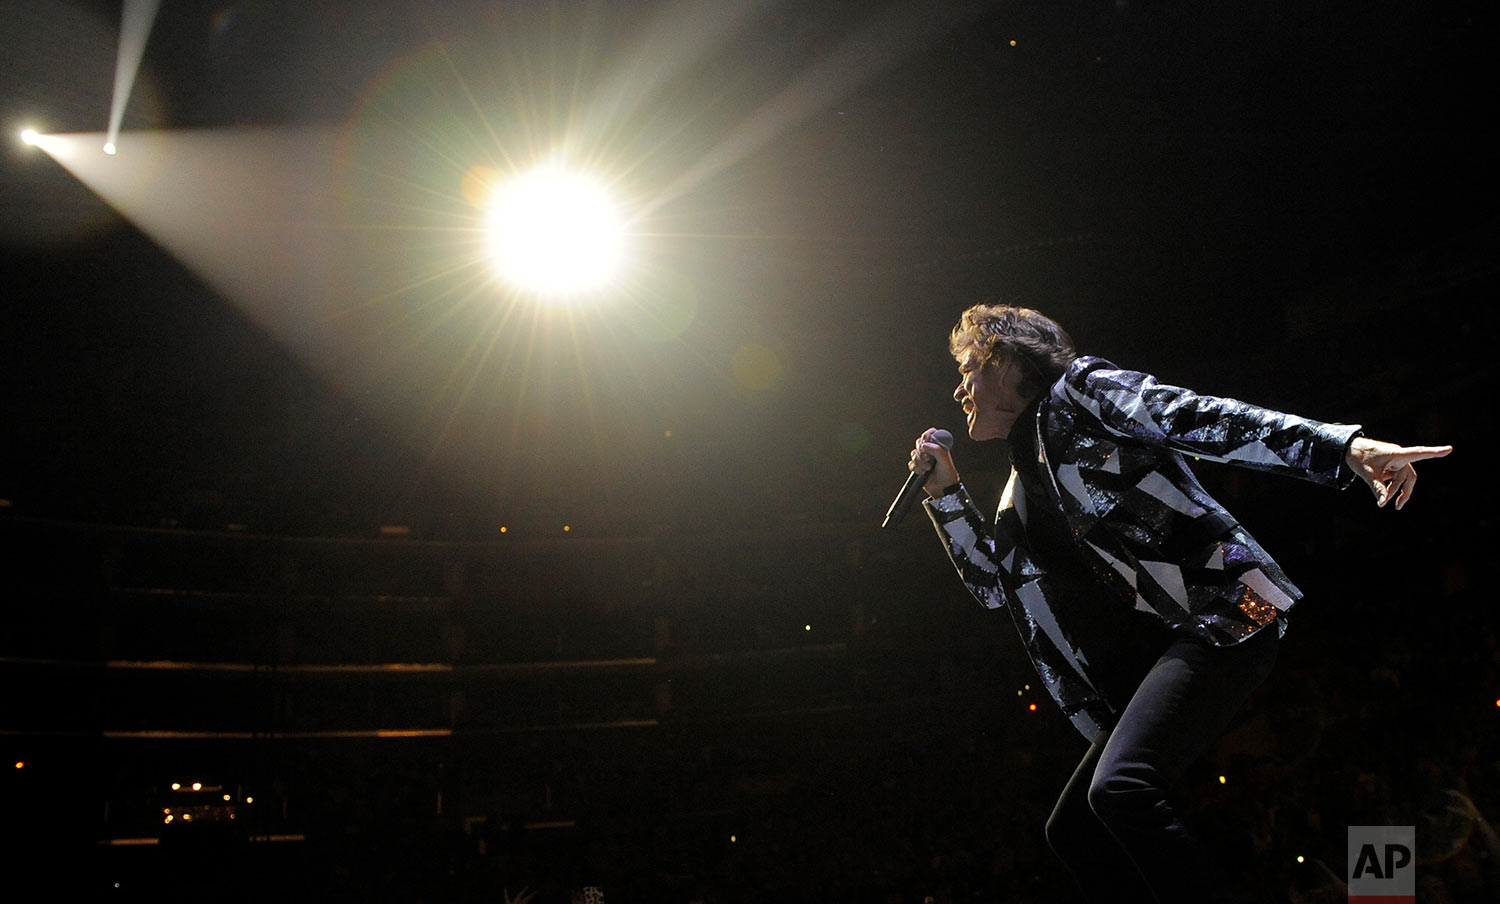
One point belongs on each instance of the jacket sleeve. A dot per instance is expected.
(1133, 406)
(1000, 573)
(972, 545)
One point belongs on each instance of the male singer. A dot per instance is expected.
(1148, 611)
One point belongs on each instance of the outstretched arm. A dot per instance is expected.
(1138, 408)
(1386, 468)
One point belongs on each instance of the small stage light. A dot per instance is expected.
(30, 136)
(109, 148)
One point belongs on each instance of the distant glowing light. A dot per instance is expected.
(20, 764)
(109, 148)
(807, 627)
(176, 786)
(567, 528)
(555, 232)
(1223, 780)
(30, 136)
(1031, 707)
(1301, 859)
(197, 786)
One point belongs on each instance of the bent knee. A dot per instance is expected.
(1112, 793)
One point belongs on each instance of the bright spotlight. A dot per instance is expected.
(554, 232)
(30, 136)
(109, 148)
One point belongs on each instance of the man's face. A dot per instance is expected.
(989, 395)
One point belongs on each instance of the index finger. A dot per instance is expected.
(1420, 453)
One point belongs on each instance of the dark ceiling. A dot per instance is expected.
(1281, 200)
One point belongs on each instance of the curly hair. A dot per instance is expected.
(1042, 347)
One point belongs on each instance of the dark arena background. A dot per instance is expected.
(343, 560)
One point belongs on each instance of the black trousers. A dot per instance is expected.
(1115, 825)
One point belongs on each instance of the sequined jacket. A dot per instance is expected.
(1112, 444)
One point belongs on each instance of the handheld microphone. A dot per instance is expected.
(914, 483)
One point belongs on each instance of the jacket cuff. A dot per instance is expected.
(1346, 477)
(954, 499)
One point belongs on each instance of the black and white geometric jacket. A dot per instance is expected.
(1113, 444)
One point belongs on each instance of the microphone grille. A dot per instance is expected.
(943, 438)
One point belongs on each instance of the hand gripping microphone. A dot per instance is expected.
(914, 482)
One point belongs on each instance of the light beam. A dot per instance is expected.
(259, 240)
(136, 18)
